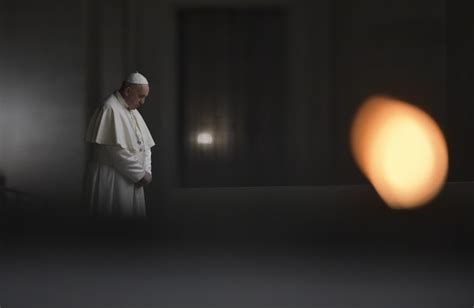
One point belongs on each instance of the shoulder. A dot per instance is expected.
(111, 102)
(113, 106)
(110, 108)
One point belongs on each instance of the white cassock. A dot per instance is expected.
(121, 154)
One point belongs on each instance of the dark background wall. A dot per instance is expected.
(43, 97)
(460, 110)
(233, 68)
(60, 59)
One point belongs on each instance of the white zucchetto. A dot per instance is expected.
(136, 78)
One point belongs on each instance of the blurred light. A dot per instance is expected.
(204, 138)
(401, 150)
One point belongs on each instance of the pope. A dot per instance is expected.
(120, 161)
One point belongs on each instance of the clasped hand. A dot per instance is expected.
(145, 180)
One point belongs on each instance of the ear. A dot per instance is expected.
(127, 91)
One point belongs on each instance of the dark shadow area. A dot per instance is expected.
(333, 246)
(3, 193)
(338, 216)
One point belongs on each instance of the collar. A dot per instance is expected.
(121, 100)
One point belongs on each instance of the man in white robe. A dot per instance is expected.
(120, 163)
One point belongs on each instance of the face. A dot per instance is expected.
(135, 95)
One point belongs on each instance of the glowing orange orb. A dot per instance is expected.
(401, 150)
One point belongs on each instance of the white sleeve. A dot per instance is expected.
(126, 163)
(148, 161)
